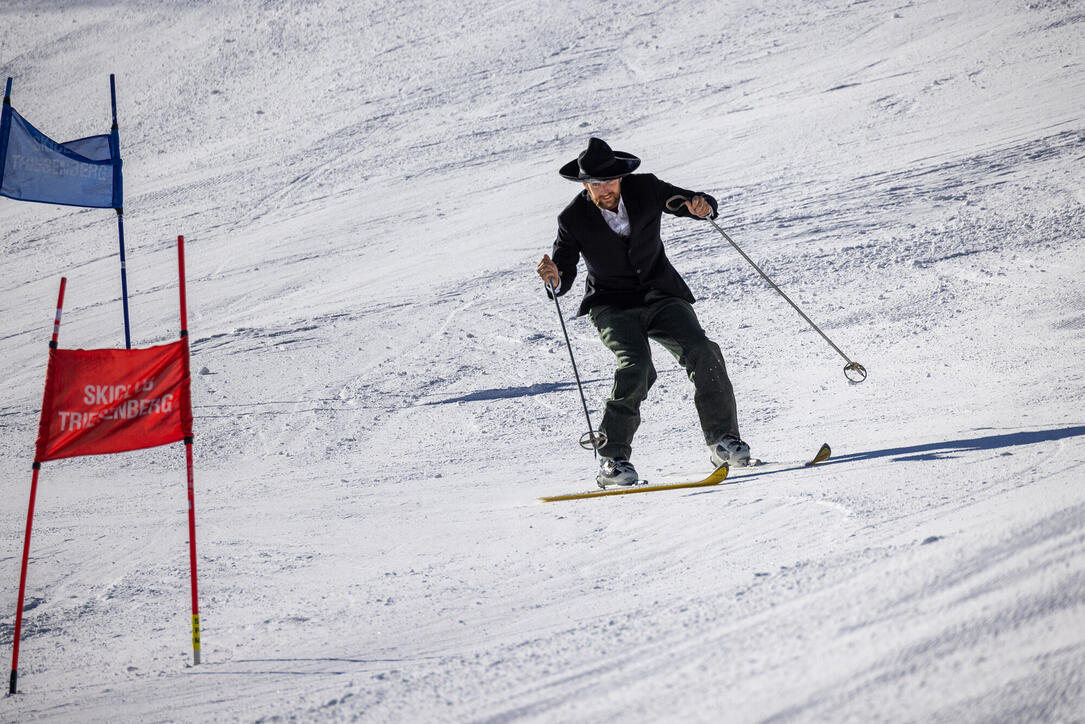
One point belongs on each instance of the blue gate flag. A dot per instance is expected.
(33, 167)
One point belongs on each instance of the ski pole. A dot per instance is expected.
(854, 371)
(592, 439)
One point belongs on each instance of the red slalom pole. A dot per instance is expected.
(192, 551)
(30, 513)
(188, 457)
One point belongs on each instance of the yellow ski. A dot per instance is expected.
(717, 477)
(822, 455)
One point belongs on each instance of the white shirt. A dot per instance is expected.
(617, 220)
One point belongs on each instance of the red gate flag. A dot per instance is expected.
(112, 400)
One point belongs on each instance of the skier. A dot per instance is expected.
(633, 294)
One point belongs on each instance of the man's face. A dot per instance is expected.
(605, 194)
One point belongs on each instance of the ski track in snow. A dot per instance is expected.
(382, 391)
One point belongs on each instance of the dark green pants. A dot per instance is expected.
(673, 323)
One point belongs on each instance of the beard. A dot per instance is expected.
(607, 201)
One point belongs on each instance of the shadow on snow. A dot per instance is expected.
(504, 393)
(946, 450)
(949, 449)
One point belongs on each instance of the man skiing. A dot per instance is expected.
(633, 294)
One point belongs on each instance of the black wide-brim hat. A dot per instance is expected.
(599, 163)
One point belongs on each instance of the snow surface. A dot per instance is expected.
(365, 189)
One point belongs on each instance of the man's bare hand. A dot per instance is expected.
(548, 270)
(699, 207)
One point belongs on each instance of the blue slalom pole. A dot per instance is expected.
(118, 202)
(5, 127)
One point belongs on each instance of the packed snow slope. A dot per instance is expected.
(383, 390)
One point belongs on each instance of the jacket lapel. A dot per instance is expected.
(635, 207)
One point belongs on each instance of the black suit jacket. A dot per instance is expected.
(621, 271)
